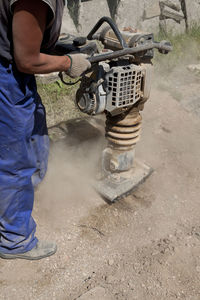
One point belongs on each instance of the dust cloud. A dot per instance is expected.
(68, 188)
(171, 70)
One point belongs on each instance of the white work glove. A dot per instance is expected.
(79, 64)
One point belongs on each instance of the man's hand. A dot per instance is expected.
(79, 64)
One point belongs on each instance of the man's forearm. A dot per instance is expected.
(43, 64)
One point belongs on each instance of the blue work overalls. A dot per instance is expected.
(24, 147)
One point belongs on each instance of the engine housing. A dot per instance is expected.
(114, 89)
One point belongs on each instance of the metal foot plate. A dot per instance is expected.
(115, 186)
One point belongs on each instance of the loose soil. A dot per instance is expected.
(145, 246)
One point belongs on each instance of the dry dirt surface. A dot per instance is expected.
(145, 246)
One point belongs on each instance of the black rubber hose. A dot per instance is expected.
(114, 28)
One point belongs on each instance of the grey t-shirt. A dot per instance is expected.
(51, 33)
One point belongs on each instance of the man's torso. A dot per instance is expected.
(50, 36)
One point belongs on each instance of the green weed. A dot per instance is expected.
(58, 99)
(186, 49)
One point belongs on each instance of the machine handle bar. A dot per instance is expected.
(163, 47)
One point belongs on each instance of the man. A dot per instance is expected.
(28, 32)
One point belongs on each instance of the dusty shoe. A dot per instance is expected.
(41, 250)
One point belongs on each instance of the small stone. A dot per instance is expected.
(198, 269)
(111, 262)
(96, 294)
(131, 285)
(194, 68)
(110, 279)
(116, 214)
(47, 78)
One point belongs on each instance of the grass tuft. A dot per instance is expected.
(186, 49)
(59, 101)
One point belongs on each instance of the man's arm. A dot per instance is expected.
(29, 23)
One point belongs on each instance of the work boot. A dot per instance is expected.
(41, 250)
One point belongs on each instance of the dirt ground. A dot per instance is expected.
(147, 245)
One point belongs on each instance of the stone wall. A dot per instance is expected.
(173, 16)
